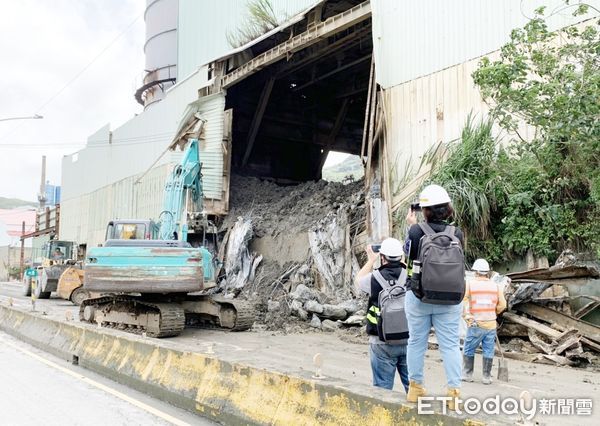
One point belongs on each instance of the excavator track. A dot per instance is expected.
(134, 315)
(245, 313)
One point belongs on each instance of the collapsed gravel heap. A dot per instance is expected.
(297, 264)
(276, 209)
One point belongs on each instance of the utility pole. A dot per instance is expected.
(22, 261)
(42, 194)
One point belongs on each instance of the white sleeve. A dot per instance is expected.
(364, 283)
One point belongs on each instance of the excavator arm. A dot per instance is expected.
(183, 193)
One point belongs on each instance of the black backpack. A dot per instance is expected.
(442, 275)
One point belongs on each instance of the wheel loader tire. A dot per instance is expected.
(79, 295)
(26, 287)
(39, 294)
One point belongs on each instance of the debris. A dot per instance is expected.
(273, 305)
(357, 319)
(293, 245)
(328, 325)
(315, 322)
(304, 294)
(313, 306)
(588, 330)
(334, 312)
(240, 264)
(541, 328)
(352, 306)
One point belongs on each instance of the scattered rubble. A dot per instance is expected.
(540, 324)
(291, 249)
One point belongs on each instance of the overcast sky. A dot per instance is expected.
(44, 44)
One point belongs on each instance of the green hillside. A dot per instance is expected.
(11, 203)
(351, 166)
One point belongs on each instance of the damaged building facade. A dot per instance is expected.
(381, 79)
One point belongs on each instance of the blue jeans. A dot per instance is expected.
(446, 321)
(483, 336)
(385, 360)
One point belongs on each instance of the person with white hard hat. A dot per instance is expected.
(386, 358)
(484, 300)
(436, 206)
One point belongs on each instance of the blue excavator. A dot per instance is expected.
(151, 279)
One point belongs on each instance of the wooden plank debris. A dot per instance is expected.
(540, 328)
(556, 273)
(588, 330)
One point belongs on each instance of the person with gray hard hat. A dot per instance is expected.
(389, 356)
(484, 300)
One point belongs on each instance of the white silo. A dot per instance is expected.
(160, 50)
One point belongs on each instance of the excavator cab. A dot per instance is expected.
(56, 252)
(131, 230)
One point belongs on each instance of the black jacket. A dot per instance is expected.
(390, 272)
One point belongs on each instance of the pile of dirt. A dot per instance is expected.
(276, 209)
(291, 252)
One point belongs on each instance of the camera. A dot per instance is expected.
(415, 207)
(375, 248)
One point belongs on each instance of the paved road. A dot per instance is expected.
(39, 389)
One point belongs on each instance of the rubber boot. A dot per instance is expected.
(415, 390)
(453, 404)
(468, 362)
(487, 371)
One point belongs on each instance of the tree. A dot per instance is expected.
(549, 80)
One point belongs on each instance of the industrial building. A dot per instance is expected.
(382, 79)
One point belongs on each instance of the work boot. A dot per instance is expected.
(415, 390)
(453, 404)
(468, 362)
(487, 371)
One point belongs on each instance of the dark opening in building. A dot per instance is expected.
(290, 113)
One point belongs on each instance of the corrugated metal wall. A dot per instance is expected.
(84, 218)
(415, 38)
(431, 109)
(203, 27)
(98, 181)
(134, 146)
(212, 109)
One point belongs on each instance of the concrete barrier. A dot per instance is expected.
(216, 388)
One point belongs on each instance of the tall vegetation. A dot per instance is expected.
(541, 194)
(259, 19)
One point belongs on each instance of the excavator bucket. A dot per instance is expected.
(70, 280)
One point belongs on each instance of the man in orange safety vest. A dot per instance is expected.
(484, 299)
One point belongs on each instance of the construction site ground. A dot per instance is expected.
(345, 357)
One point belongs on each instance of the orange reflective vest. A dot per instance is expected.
(483, 299)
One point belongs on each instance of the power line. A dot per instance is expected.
(134, 140)
(79, 74)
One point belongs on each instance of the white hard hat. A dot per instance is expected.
(391, 248)
(432, 195)
(481, 265)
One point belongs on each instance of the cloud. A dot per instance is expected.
(44, 44)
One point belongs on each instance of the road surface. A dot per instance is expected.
(347, 359)
(39, 389)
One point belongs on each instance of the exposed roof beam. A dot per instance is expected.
(333, 72)
(324, 29)
(342, 44)
(258, 116)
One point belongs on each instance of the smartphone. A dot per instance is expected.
(415, 207)
(375, 248)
